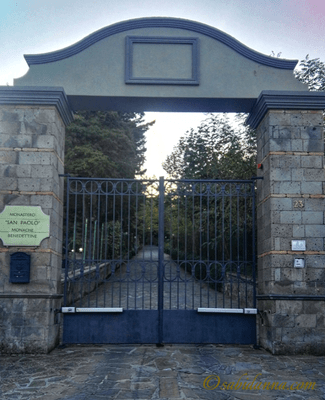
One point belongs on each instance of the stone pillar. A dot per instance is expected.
(290, 206)
(32, 134)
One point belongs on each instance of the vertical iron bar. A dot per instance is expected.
(74, 225)
(200, 230)
(178, 247)
(106, 221)
(98, 242)
(171, 241)
(136, 240)
(129, 221)
(94, 245)
(74, 239)
(82, 265)
(185, 244)
(95, 263)
(101, 243)
(245, 245)
(230, 243)
(83, 239)
(98, 225)
(90, 238)
(129, 277)
(253, 245)
(238, 262)
(121, 247)
(208, 244)
(83, 222)
(66, 243)
(193, 243)
(223, 246)
(104, 244)
(215, 248)
(151, 226)
(143, 243)
(85, 242)
(84, 253)
(113, 245)
(161, 259)
(149, 265)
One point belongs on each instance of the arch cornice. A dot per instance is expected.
(160, 22)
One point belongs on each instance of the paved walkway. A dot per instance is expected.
(135, 286)
(146, 372)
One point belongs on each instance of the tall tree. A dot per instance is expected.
(311, 72)
(106, 144)
(103, 145)
(217, 149)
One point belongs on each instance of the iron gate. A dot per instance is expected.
(159, 261)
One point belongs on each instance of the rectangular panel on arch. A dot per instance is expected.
(161, 60)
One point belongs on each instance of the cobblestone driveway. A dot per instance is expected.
(147, 372)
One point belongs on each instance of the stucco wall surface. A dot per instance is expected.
(99, 70)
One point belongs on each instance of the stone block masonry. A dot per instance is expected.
(32, 133)
(291, 202)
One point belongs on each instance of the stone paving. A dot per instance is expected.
(171, 372)
(146, 372)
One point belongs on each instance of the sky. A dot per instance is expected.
(293, 28)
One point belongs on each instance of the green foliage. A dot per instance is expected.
(215, 227)
(210, 224)
(112, 247)
(214, 150)
(106, 144)
(218, 150)
(311, 72)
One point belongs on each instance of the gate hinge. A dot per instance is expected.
(256, 177)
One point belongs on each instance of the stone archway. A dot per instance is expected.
(171, 64)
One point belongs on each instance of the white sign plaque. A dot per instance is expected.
(298, 245)
(23, 226)
(299, 263)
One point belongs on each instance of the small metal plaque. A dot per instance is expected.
(23, 226)
(298, 245)
(19, 268)
(299, 263)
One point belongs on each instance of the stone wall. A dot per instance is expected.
(31, 159)
(291, 206)
(80, 283)
(240, 290)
